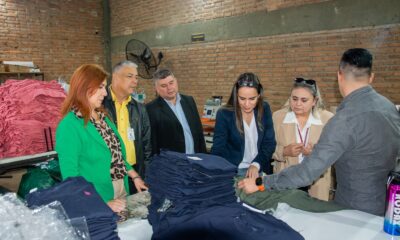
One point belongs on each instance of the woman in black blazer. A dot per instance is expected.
(244, 133)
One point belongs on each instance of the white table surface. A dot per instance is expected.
(340, 225)
(135, 229)
(343, 225)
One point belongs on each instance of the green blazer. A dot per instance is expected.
(83, 152)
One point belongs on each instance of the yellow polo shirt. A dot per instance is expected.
(124, 128)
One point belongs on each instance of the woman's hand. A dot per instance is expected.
(139, 184)
(252, 172)
(308, 149)
(117, 205)
(137, 180)
(293, 150)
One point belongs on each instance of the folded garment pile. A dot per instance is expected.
(193, 197)
(80, 199)
(29, 114)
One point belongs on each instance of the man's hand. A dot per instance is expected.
(293, 150)
(248, 185)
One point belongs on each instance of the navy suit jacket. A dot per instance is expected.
(167, 131)
(229, 143)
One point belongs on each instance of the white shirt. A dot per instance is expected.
(305, 132)
(250, 144)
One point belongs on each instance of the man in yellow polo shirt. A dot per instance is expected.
(130, 117)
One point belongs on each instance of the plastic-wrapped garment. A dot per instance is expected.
(34, 178)
(137, 204)
(27, 108)
(47, 222)
(79, 198)
(43, 176)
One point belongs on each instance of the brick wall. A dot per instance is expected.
(128, 17)
(58, 36)
(208, 69)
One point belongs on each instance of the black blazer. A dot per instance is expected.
(167, 131)
(230, 144)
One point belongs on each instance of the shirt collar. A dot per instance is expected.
(290, 117)
(178, 100)
(353, 95)
(114, 98)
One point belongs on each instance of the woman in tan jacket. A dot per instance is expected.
(297, 128)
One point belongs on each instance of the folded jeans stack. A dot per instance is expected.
(193, 197)
(80, 199)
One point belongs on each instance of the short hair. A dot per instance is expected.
(161, 74)
(84, 81)
(122, 64)
(357, 62)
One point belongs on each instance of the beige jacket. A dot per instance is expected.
(285, 134)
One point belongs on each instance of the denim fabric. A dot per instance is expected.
(193, 197)
(210, 162)
(231, 221)
(79, 198)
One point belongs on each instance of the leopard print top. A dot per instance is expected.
(118, 168)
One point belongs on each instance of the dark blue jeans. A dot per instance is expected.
(231, 221)
(79, 198)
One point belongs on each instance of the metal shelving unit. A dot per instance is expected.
(20, 75)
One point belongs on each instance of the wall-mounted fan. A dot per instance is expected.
(139, 53)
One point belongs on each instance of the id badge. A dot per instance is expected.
(131, 134)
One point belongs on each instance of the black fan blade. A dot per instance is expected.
(160, 57)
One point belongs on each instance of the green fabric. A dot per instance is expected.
(294, 198)
(53, 168)
(83, 152)
(35, 178)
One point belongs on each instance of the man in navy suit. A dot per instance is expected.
(174, 119)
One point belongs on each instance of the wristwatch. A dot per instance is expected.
(259, 183)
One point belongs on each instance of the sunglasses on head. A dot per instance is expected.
(306, 81)
(247, 83)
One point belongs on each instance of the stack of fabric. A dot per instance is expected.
(193, 197)
(80, 199)
(28, 109)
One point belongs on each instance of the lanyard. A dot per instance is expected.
(301, 138)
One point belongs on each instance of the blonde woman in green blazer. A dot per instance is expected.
(88, 143)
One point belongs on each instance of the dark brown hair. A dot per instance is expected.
(247, 79)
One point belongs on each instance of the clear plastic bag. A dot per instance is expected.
(47, 222)
(63, 83)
